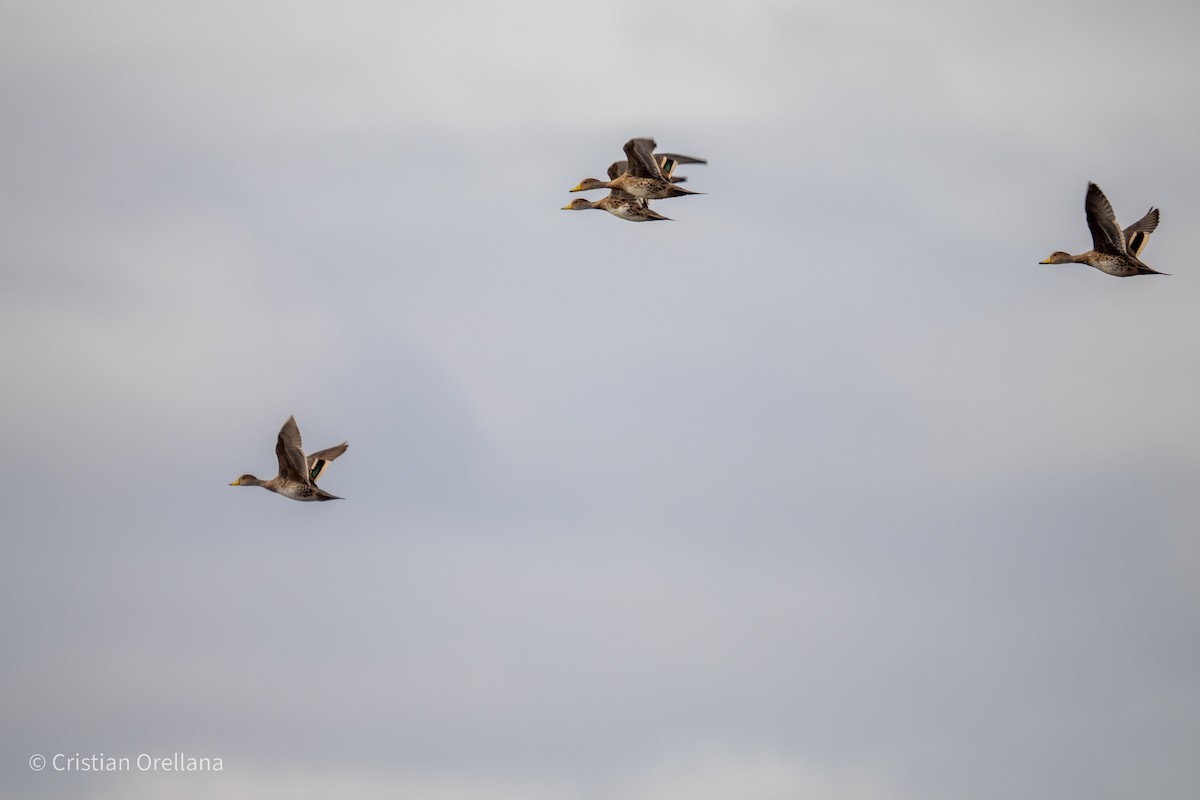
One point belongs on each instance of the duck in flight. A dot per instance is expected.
(644, 174)
(1114, 251)
(297, 478)
(619, 204)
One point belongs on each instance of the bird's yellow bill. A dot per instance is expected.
(238, 482)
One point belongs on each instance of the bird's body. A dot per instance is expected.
(297, 491)
(641, 187)
(1114, 251)
(298, 474)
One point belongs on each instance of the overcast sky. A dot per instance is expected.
(825, 489)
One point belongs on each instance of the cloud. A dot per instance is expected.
(825, 487)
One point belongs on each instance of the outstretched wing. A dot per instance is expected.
(678, 159)
(318, 461)
(1102, 222)
(290, 452)
(1137, 234)
(640, 153)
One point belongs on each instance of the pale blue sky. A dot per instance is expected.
(824, 489)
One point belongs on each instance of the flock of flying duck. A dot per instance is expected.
(646, 175)
(643, 176)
